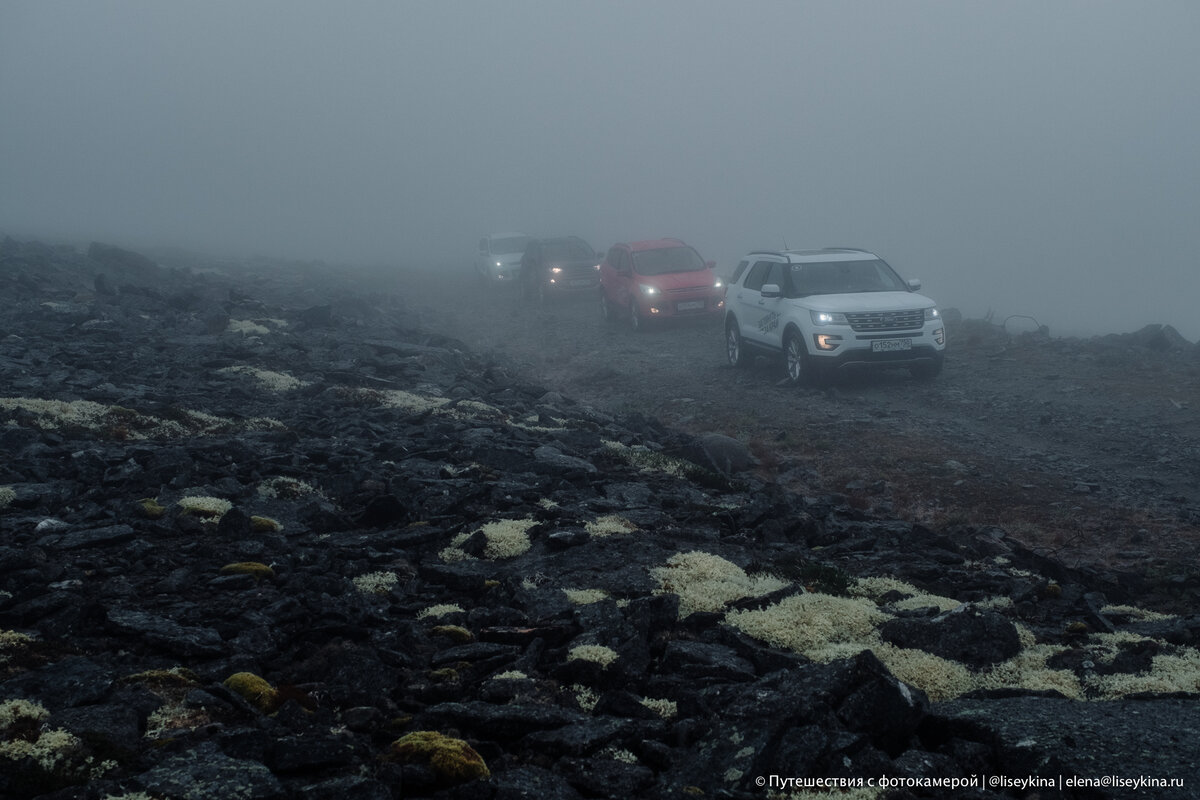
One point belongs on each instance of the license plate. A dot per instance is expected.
(690, 305)
(890, 345)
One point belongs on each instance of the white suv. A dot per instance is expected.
(498, 257)
(826, 309)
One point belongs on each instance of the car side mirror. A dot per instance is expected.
(710, 264)
(914, 285)
(770, 290)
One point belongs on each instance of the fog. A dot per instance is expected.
(1020, 157)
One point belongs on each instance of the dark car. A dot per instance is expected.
(559, 266)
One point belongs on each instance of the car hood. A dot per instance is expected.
(865, 301)
(679, 280)
(508, 259)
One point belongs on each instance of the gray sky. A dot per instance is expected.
(1028, 157)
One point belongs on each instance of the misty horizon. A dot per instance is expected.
(1021, 158)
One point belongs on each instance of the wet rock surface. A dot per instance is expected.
(266, 532)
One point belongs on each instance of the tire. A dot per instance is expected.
(607, 312)
(735, 348)
(636, 323)
(796, 361)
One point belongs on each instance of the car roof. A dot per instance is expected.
(824, 254)
(508, 235)
(656, 244)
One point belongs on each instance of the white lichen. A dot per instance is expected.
(376, 582)
(266, 379)
(440, 610)
(596, 653)
(609, 525)
(705, 582)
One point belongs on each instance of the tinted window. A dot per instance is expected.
(737, 273)
(778, 276)
(758, 275)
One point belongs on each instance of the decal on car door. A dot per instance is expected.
(768, 323)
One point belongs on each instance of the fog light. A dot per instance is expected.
(827, 341)
(939, 336)
(653, 310)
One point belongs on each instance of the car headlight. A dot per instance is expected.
(828, 318)
(597, 267)
(556, 270)
(718, 283)
(932, 314)
(499, 263)
(647, 289)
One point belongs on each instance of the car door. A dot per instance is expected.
(752, 312)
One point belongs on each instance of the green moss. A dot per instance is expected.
(256, 691)
(265, 525)
(452, 760)
(150, 508)
(456, 633)
(260, 571)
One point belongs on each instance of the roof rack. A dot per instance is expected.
(851, 249)
(765, 253)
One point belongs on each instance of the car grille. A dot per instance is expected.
(887, 320)
(689, 289)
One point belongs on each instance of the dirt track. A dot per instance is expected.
(1089, 450)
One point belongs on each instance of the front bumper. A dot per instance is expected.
(670, 305)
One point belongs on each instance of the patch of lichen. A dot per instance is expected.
(150, 508)
(255, 691)
(455, 633)
(452, 760)
(260, 571)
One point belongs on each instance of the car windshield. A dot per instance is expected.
(567, 250)
(509, 245)
(842, 277)
(662, 260)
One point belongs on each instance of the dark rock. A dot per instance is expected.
(205, 773)
(966, 634)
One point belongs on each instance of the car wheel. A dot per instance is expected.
(606, 309)
(796, 357)
(735, 350)
(635, 316)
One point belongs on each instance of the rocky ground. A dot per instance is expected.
(280, 531)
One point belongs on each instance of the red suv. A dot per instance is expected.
(659, 279)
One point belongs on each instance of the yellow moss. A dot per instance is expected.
(705, 582)
(452, 760)
(285, 489)
(510, 675)
(1169, 672)
(246, 327)
(265, 525)
(256, 691)
(1135, 613)
(585, 696)
(150, 508)
(260, 571)
(11, 641)
(456, 633)
(7, 495)
(444, 675)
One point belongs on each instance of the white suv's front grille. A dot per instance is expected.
(886, 320)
